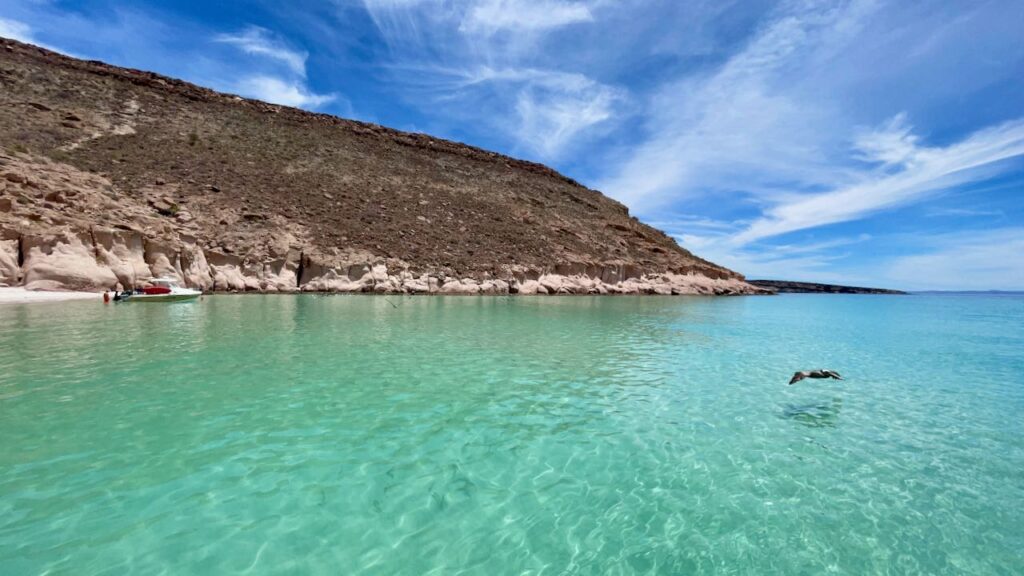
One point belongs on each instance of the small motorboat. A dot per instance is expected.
(160, 290)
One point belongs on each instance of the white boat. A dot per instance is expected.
(163, 290)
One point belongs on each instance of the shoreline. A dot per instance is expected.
(465, 295)
(19, 295)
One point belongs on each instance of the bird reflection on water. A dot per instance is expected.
(815, 415)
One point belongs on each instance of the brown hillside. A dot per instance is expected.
(251, 183)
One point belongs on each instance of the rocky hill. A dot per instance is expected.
(110, 175)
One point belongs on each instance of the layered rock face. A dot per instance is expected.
(111, 176)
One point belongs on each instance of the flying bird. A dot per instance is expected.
(815, 374)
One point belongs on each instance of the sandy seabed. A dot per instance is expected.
(22, 296)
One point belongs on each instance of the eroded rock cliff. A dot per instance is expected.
(112, 176)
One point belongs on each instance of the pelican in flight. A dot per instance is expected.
(815, 374)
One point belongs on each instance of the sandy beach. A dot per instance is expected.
(17, 295)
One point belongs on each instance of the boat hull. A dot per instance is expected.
(163, 297)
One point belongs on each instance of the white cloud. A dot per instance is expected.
(278, 91)
(890, 144)
(743, 124)
(811, 247)
(963, 212)
(549, 121)
(261, 42)
(16, 30)
(456, 59)
(776, 130)
(552, 108)
(812, 262)
(22, 32)
(925, 172)
(491, 16)
(286, 86)
(690, 222)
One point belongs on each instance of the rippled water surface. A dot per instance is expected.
(444, 435)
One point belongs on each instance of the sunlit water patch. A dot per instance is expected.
(445, 435)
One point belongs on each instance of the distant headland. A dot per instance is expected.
(787, 286)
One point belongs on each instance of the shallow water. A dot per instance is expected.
(446, 435)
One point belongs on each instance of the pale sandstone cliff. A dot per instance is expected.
(111, 176)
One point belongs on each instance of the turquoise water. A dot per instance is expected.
(576, 435)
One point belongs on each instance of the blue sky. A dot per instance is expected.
(864, 142)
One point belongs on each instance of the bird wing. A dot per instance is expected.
(797, 377)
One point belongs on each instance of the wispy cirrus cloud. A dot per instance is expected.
(922, 172)
(22, 32)
(742, 124)
(810, 261)
(492, 16)
(962, 213)
(549, 120)
(279, 91)
(891, 144)
(552, 107)
(16, 30)
(261, 42)
(905, 173)
(771, 141)
(284, 82)
(474, 59)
